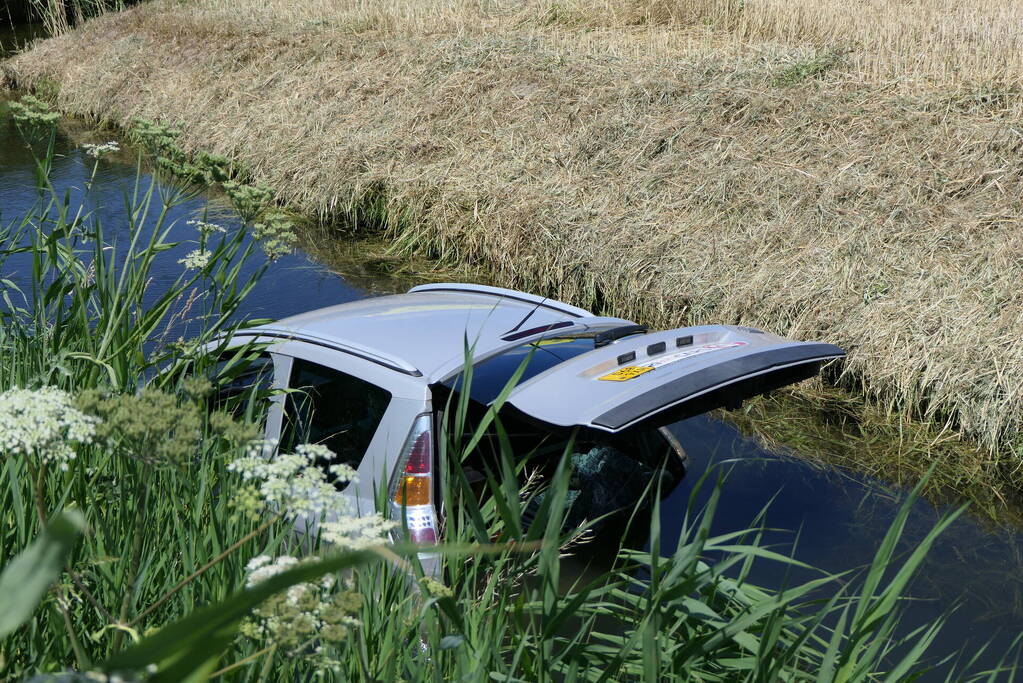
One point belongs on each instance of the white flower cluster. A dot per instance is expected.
(291, 482)
(206, 228)
(43, 423)
(356, 533)
(297, 484)
(196, 259)
(96, 151)
(322, 610)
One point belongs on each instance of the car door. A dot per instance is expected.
(359, 409)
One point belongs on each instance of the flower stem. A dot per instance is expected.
(266, 664)
(91, 598)
(38, 486)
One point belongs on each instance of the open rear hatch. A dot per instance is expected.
(658, 378)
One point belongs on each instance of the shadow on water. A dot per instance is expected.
(828, 518)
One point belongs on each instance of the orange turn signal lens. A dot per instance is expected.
(413, 490)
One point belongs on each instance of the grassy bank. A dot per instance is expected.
(787, 165)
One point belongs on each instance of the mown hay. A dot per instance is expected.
(674, 172)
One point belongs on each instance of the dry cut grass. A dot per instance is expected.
(942, 41)
(932, 40)
(698, 166)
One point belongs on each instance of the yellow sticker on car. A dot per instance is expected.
(626, 373)
(552, 341)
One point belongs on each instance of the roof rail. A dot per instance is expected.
(390, 362)
(502, 293)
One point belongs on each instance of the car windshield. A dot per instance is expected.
(490, 376)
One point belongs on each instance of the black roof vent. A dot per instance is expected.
(615, 333)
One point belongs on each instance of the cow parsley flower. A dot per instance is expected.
(298, 484)
(43, 423)
(206, 228)
(196, 259)
(153, 426)
(290, 482)
(322, 610)
(356, 533)
(435, 588)
(96, 151)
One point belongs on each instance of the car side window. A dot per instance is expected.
(329, 407)
(243, 382)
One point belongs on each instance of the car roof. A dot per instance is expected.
(423, 332)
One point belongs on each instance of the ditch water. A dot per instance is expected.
(828, 518)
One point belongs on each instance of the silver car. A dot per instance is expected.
(373, 376)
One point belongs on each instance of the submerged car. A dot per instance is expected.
(371, 379)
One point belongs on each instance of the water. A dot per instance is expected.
(835, 520)
(840, 518)
(14, 38)
(293, 284)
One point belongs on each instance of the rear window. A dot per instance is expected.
(490, 376)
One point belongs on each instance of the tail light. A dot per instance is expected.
(411, 489)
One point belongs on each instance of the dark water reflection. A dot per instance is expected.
(838, 519)
(15, 38)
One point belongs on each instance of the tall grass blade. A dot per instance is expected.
(26, 578)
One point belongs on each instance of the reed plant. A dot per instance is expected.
(60, 16)
(108, 440)
(84, 318)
